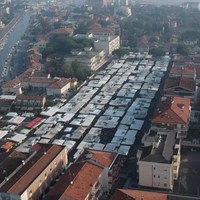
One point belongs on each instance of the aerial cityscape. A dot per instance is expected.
(99, 100)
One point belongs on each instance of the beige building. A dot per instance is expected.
(36, 173)
(108, 45)
(159, 161)
(89, 58)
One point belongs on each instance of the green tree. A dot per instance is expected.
(157, 51)
(183, 49)
(120, 52)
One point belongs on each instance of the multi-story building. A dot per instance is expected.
(34, 176)
(188, 72)
(108, 45)
(93, 173)
(181, 87)
(89, 58)
(172, 115)
(125, 194)
(158, 164)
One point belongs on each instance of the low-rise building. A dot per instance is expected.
(159, 161)
(30, 180)
(59, 87)
(172, 115)
(30, 103)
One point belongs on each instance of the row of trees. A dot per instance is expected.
(74, 69)
(63, 45)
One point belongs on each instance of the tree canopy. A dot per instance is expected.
(64, 45)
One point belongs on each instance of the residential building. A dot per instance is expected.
(34, 54)
(180, 86)
(158, 164)
(172, 114)
(188, 72)
(108, 45)
(126, 194)
(100, 33)
(12, 87)
(59, 87)
(112, 163)
(30, 180)
(41, 44)
(99, 168)
(9, 163)
(62, 32)
(89, 58)
(29, 103)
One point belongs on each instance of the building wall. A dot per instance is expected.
(13, 90)
(156, 175)
(108, 45)
(40, 184)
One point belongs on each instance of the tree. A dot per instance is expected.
(157, 51)
(120, 52)
(183, 49)
(153, 40)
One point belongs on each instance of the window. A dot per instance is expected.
(158, 176)
(30, 193)
(165, 184)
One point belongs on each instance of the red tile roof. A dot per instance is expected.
(181, 82)
(32, 169)
(183, 71)
(101, 157)
(82, 184)
(174, 110)
(59, 83)
(122, 194)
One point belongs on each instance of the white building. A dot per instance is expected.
(158, 164)
(108, 45)
(89, 58)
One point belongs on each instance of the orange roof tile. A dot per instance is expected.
(82, 184)
(172, 110)
(101, 157)
(182, 82)
(59, 83)
(122, 194)
(183, 71)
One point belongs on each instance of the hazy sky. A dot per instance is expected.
(169, 1)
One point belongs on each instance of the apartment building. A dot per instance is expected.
(181, 87)
(158, 164)
(172, 114)
(90, 58)
(185, 71)
(109, 45)
(93, 173)
(123, 194)
(36, 173)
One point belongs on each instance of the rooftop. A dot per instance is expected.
(123, 194)
(181, 82)
(34, 166)
(78, 180)
(174, 110)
